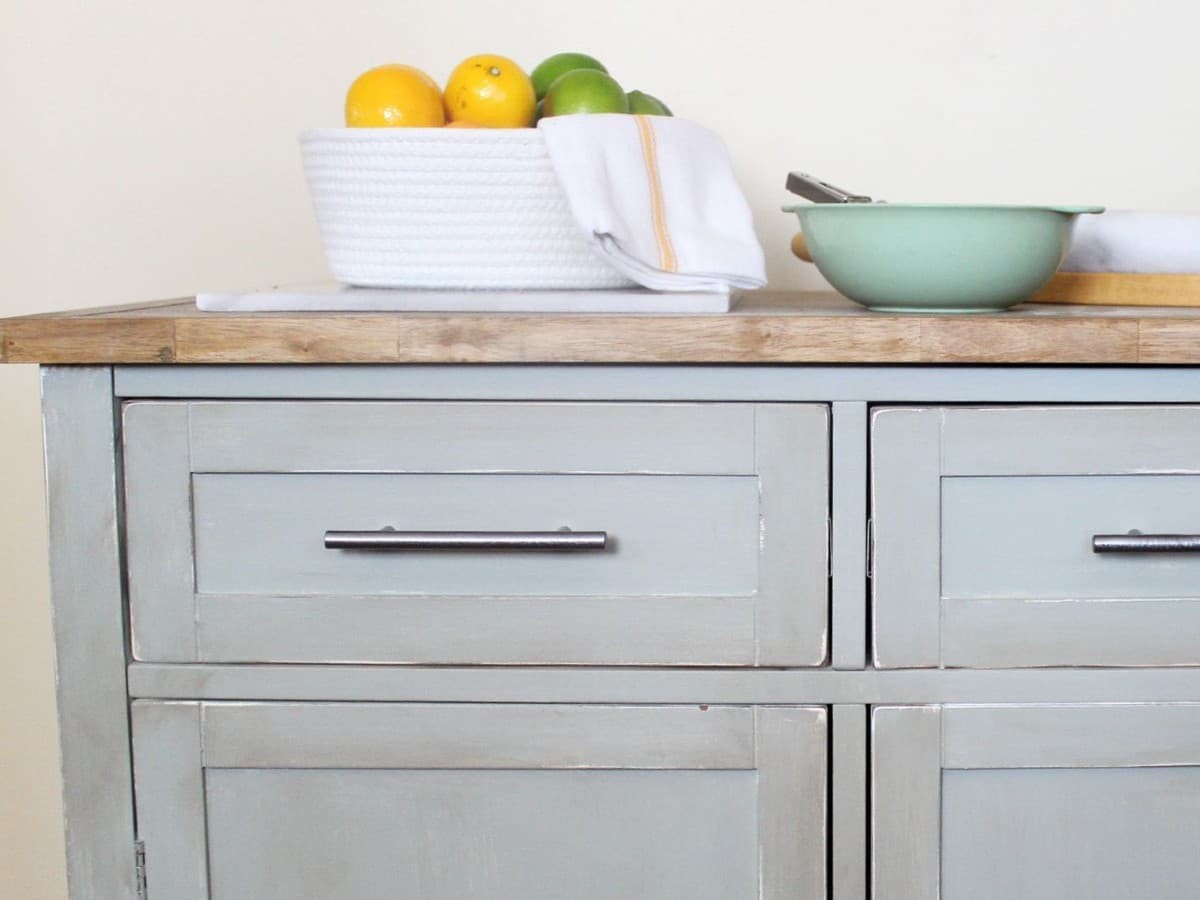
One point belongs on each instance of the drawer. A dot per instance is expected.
(985, 523)
(713, 519)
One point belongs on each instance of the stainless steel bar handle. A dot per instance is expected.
(387, 539)
(1146, 543)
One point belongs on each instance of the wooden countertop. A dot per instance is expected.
(766, 327)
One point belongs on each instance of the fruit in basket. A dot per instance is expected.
(585, 91)
(490, 91)
(551, 68)
(394, 95)
(647, 105)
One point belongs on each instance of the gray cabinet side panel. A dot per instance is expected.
(170, 798)
(906, 513)
(906, 779)
(85, 587)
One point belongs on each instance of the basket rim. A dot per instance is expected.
(399, 135)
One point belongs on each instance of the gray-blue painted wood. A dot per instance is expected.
(363, 801)
(848, 537)
(612, 778)
(717, 514)
(1042, 801)
(848, 791)
(85, 587)
(821, 384)
(1049, 834)
(556, 684)
(983, 526)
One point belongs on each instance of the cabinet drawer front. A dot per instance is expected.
(714, 516)
(985, 522)
(520, 801)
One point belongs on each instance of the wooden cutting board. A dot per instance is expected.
(1121, 289)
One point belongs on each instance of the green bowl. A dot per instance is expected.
(925, 257)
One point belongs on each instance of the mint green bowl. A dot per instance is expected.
(925, 257)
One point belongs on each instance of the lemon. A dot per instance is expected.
(490, 91)
(647, 105)
(549, 69)
(393, 95)
(585, 91)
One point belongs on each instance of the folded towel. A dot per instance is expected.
(658, 198)
(1135, 242)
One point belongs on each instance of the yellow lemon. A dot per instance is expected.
(491, 91)
(394, 95)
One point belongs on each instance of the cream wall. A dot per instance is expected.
(148, 150)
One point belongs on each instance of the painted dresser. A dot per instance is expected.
(794, 602)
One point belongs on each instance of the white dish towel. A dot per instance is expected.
(1135, 242)
(658, 198)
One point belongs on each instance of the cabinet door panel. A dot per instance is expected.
(1071, 833)
(280, 801)
(445, 833)
(1036, 801)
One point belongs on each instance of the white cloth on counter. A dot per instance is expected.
(658, 198)
(1135, 242)
(332, 297)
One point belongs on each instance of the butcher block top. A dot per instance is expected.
(765, 327)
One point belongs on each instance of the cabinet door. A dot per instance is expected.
(1047, 801)
(286, 801)
(1009, 537)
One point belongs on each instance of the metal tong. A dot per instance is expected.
(819, 191)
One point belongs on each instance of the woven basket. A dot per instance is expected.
(446, 208)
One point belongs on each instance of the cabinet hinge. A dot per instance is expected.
(139, 868)
(870, 546)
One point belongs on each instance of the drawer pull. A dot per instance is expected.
(1135, 542)
(388, 539)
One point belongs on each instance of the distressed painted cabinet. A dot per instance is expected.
(276, 801)
(1038, 801)
(825, 631)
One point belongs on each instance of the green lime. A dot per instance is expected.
(585, 91)
(539, 111)
(550, 69)
(647, 105)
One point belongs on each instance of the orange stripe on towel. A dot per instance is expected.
(666, 252)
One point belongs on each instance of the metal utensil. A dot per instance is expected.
(819, 191)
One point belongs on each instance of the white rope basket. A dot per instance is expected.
(446, 208)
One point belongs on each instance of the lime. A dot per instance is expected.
(551, 68)
(647, 105)
(585, 91)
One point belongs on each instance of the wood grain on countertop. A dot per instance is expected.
(766, 327)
